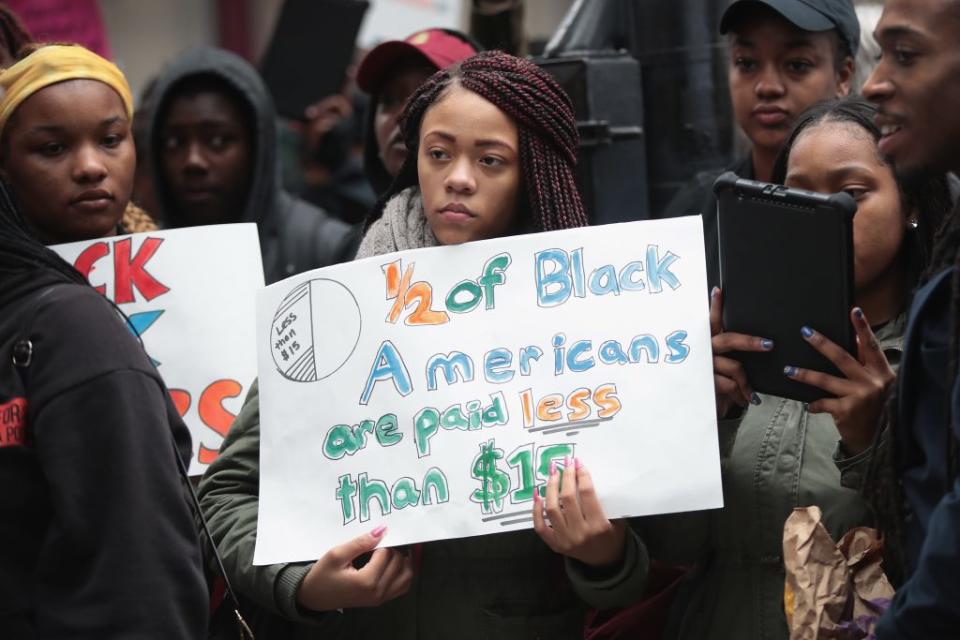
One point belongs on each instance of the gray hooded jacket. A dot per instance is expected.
(294, 235)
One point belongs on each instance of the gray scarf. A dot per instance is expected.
(402, 226)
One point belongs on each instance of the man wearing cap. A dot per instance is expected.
(785, 56)
(390, 73)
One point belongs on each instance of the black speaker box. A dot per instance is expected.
(607, 100)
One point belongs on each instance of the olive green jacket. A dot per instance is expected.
(501, 586)
(777, 456)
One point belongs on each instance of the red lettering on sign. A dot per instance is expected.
(214, 415)
(85, 261)
(181, 400)
(128, 273)
(13, 422)
(133, 273)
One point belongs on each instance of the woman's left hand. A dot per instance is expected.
(578, 527)
(860, 395)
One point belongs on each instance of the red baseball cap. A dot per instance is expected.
(436, 47)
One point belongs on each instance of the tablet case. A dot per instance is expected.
(786, 261)
(312, 45)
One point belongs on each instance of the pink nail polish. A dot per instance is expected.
(379, 531)
(536, 496)
(577, 464)
(553, 467)
(566, 462)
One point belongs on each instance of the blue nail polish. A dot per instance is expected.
(858, 312)
(806, 331)
(789, 371)
(766, 344)
(754, 399)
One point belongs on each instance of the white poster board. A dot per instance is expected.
(397, 19)
(190, 296)
(429, 390)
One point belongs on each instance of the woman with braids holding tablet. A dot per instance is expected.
(778, 453)
(492, 148)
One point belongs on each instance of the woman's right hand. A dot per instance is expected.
(334, 583)
(730, 382)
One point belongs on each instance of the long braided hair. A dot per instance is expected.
(21, 253)
(26, 264)
(547, 128)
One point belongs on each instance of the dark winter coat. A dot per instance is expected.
(97, 539)
(928, 604)
(773, 458)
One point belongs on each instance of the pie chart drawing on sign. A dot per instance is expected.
(304, 347)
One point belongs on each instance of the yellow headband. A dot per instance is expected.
(57, 63)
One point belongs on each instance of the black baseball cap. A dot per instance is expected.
(809, 15)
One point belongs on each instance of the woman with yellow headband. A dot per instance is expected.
(97, 539)
(66, 148)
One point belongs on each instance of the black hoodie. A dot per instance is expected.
(96, 536)
(294, 235)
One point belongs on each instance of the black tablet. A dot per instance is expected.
(312, 45)
(786, 261)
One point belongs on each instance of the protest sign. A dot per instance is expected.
(430, 390)
(189, 294)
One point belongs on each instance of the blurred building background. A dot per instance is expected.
(143, 35)
(681, 122)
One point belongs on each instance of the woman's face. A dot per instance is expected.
(469, 168)
(68, 157)
(776, 72)
(837, 156)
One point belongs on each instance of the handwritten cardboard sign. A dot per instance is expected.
(430, 390)
(190, 296)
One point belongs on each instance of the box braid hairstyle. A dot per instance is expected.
(547, 129)
(22, 254)
(27, 265)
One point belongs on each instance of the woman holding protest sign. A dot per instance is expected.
(66, 148)
(97, 539)
(776, 453)
(506, 168)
